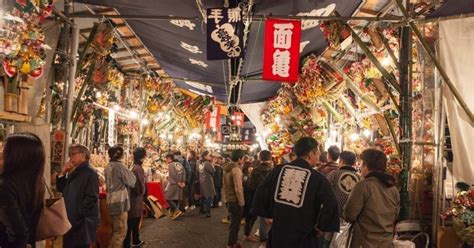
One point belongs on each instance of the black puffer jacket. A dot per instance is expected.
(18, 214)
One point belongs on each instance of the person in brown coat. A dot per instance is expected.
(373, 204)
(331, 165)
(136, 200)
(234, 195)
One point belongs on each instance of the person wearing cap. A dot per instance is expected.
(136, 200)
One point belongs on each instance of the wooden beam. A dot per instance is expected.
(123, 49)
(145, 57)
(87, 30)
(14, 117)
(131, 67)
(96, 10)
(368, 12)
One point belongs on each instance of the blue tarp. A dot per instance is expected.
(164, 40)
(453, 8)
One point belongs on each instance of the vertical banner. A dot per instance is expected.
(57, 154)
(281, 50)
(213, 119)
(225, 31)
(238, 119)
(111, 133)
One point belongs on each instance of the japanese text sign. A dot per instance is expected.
(282, 50)
(224, 33)
(213, 119)
(238, 119)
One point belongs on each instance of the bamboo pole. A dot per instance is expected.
(388, 49)
(438, 66)
(71, 84)
(387, 76)
(350, 84)
(392, 133)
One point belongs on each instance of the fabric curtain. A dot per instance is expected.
(253, 111)
(457, 58)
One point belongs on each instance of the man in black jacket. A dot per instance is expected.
(79, 184)
(257, 177)
(299, 199)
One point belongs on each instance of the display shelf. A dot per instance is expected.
(14, 117)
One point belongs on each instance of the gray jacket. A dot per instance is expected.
(118, 180)
(206, 179)
(177, 174)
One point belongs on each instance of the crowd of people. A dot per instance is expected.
(302, 202)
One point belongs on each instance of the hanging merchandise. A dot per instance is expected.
(22, 38)
(282, 50)
(225, 30)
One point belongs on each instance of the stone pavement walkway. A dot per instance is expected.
(191, 230)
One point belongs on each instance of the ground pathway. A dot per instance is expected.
(191, 230)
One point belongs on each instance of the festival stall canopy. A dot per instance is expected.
(453, 8)
(180, 46)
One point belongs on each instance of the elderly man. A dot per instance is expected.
(79, 184)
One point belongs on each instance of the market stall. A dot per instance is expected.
(351, 73)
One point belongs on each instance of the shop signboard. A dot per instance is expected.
(224, 33)
(281, 50)
(213, 119)
(238, 119)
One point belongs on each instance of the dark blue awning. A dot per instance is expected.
(453, 8)
(166, 41)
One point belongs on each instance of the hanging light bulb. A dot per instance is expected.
(354, 136)
(367, 133)
(116, 107)
(133, 114)
(278, 119)
(386, 61)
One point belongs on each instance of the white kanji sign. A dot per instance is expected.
(183, 23)
(190, 48)
(292, 185)
(282, 35)
(281, 63)
(216, 14)
(198, 62)
(234, 14)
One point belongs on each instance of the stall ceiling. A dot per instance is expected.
(166, 41)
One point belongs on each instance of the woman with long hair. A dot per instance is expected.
(22, 190)
(373, 204)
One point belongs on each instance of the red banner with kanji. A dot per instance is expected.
(238, 119)
(282, 50)
(213, 119)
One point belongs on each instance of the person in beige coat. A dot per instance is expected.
(373, 204)
(234, 195)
